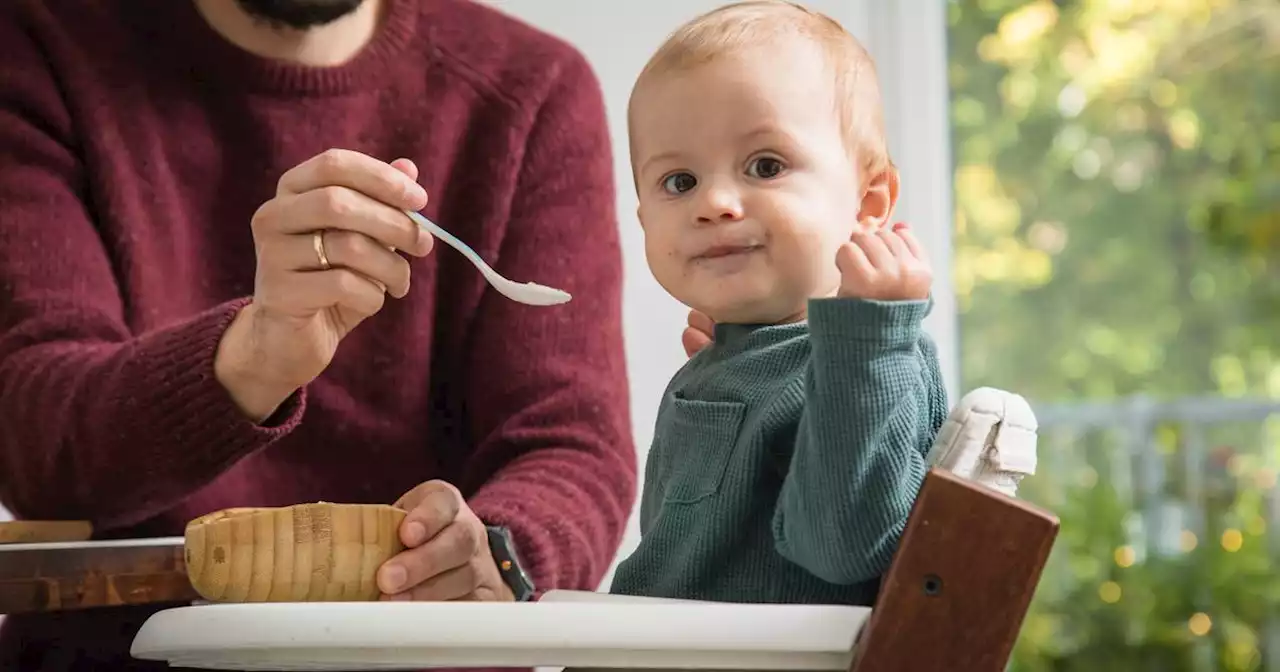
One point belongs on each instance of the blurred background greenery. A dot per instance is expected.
(1117, 186)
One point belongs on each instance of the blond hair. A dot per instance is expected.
(751, 23)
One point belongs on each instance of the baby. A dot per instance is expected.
(788, 454)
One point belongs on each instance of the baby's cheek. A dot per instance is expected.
(817, 251)
(794, 269)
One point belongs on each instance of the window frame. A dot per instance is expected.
(908, 41)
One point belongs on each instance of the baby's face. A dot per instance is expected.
(746, 188)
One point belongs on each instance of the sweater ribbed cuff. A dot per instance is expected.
(888, 324)
(179, 397)
(495, 509)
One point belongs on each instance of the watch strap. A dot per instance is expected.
(513, 573)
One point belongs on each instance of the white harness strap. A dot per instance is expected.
(989, 438)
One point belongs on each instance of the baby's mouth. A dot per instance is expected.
(722, 251)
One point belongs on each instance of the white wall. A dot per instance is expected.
(907, 38)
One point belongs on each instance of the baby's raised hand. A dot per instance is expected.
(885, 265)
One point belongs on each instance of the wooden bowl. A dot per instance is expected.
(318, 552)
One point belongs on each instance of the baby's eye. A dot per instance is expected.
(678, 183)
(765, 167)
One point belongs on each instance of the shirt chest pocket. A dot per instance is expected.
(703, 434)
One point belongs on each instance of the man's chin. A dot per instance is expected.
(299, 14)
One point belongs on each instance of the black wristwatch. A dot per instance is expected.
(504, 553)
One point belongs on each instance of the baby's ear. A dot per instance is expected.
(879, 199)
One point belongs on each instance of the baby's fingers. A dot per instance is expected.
(913, 244)
(853, 263)
(874, 248)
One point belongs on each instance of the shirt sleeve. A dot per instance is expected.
(874, 403)
(97, 421)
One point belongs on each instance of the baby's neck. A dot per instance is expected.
(800, 314)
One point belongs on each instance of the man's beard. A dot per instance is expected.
(299, 14)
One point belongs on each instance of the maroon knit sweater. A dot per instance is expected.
(135, 146)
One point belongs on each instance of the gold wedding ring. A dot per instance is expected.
(318, 242)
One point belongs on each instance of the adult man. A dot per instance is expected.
(188, 266)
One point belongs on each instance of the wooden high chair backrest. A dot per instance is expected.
(961, 581)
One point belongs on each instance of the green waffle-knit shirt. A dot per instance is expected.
(786, 458)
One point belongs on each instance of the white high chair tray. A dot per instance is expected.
(565, 628)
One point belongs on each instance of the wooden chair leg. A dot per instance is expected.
(960, 585)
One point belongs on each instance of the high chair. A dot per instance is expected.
(954, 597)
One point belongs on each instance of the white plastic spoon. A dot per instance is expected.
(530, 293)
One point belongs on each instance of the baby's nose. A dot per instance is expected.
(720, 205)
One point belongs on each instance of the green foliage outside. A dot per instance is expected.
(1118, 234)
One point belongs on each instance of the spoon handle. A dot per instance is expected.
(435, 230)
